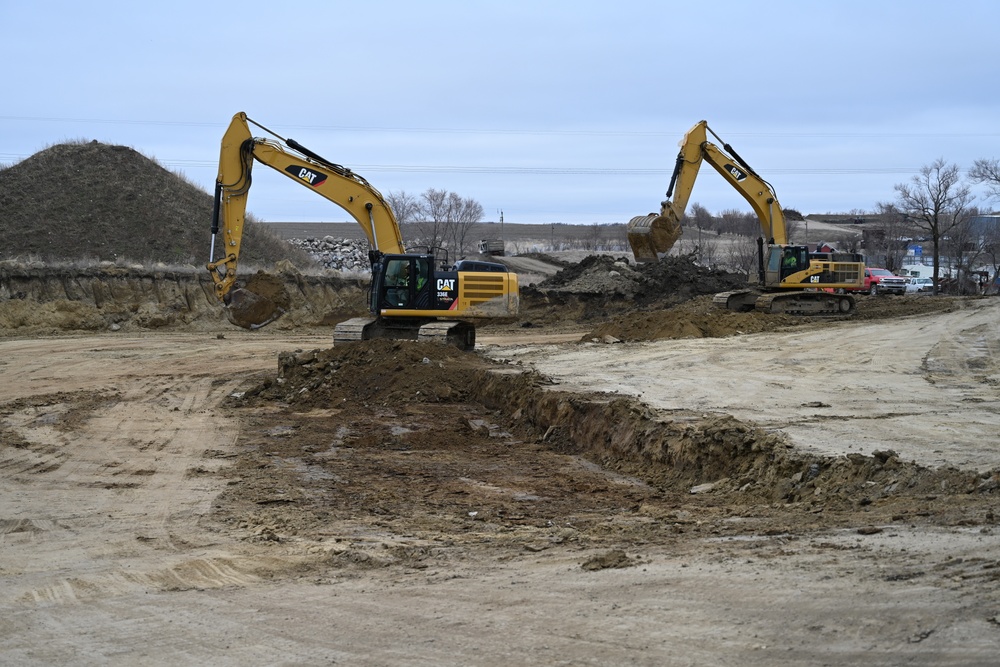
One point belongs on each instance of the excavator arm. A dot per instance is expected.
(652, 235)
(338, 184)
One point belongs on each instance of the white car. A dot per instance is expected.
(919, 285)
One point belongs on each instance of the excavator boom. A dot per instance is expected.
(655, 234)
(253, 308)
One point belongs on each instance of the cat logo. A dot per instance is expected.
(445, 284)
(310, 177)
(737, 173)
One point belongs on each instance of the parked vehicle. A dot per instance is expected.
(920, 285)
(883, 281)
(493, 247)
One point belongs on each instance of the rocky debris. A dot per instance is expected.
(350, 255)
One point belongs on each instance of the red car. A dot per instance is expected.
(883, 281)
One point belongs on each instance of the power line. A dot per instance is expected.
(520, 131)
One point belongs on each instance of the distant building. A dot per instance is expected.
(983, 224)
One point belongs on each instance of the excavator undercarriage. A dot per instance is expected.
(460, 334)
(787, 303)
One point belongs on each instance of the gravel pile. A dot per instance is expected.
(337, 254)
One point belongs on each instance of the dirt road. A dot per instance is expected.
(147, 519)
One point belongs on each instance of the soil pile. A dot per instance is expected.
(672, 280)
(76, 201)
(381, 371)
(701, 318)
(672, 298)
(600, 288)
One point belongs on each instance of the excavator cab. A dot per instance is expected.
(784, 261)
(402, 281)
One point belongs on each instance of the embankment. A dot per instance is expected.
(111, 297)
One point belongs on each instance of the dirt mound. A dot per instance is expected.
(92, 200)
(701, 318)
(380, 371)
(697, 318)
(671, 280)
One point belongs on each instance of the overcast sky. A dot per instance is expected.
(548, 111)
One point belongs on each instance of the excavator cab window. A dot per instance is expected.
(793, 260)
(407, 283)
(396, 289)
(422, 286)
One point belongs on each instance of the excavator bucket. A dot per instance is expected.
(263, 300)
(651, 235)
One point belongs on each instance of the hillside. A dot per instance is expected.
(79, 201)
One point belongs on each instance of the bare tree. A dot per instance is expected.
(889, 247)
(987, 172)
(991, 248)
(935, 200)
(464, 214)
(742, 255)
(846, 242)
(708, 251)
(702, 221)
(743, 223)
(964, 246)
(432, 218)
(404, 206)
(618, 237)
(445, 219)
(701, 217)
(792, 228)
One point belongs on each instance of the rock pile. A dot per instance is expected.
(339, 254)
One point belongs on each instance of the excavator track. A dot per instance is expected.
(354, 330)
(460, 334)
(807, 303)
(741, 301)
(787, 303)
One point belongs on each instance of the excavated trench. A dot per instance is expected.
(428, 429)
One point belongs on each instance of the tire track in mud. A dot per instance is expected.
(108, 490)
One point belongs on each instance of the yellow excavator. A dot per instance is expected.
(412, 296)
(788, 280)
